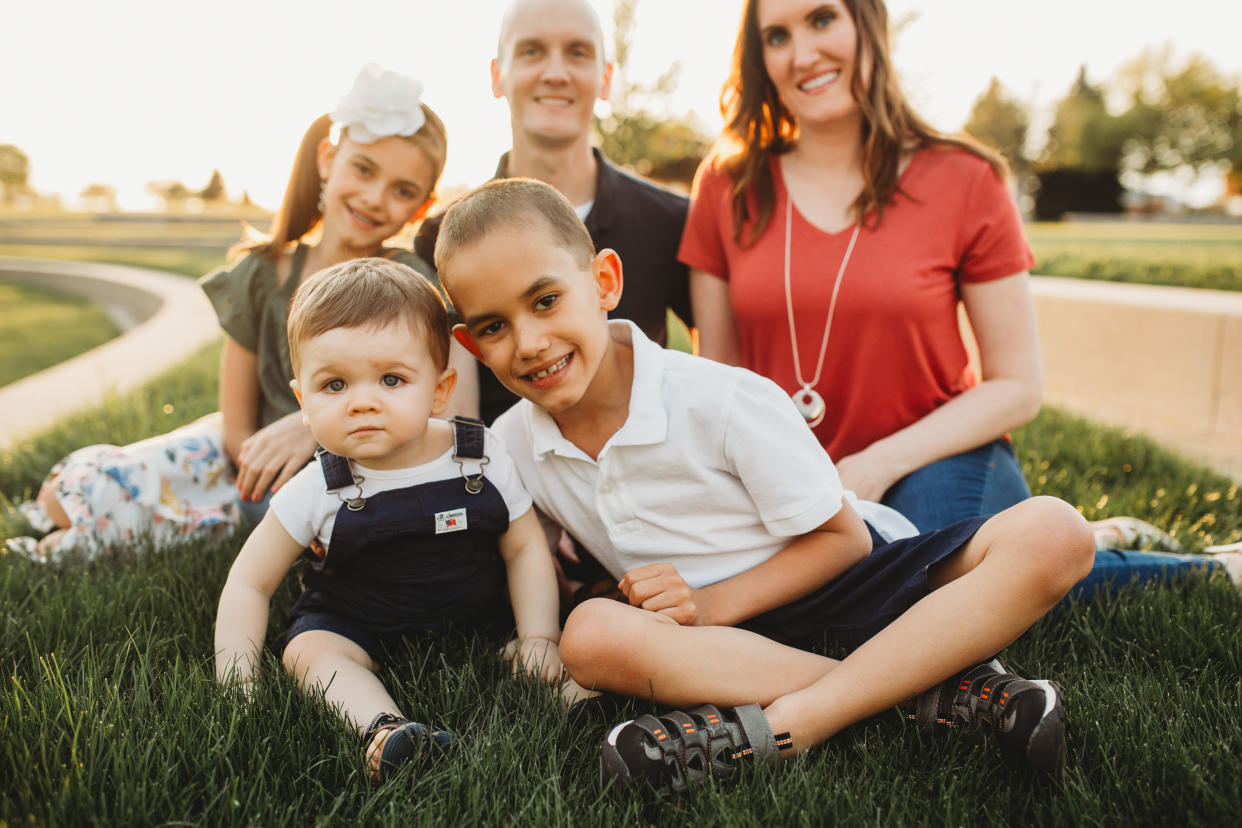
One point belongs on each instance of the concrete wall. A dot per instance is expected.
(1162, 360)
(167, 317)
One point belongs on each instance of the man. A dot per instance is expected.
(550, 67)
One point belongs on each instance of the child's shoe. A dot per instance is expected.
(1026, 718)
(678, 750)
(405, 742)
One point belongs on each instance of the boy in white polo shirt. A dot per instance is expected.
(701, 489)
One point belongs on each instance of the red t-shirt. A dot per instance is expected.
(895, 351)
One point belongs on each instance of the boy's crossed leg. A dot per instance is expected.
(1015, 568)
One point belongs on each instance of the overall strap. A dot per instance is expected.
(468, 447)
(337, 475)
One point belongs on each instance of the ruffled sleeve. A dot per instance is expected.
(236, 292)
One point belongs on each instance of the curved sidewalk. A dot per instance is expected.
(170, 319)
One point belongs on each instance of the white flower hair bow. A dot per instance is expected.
(381, 103)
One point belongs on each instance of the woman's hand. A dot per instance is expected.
(869, 474)
(272, 455)
(660, 588)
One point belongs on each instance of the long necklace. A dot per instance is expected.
(808, 401)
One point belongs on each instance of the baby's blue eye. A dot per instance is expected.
(335, 385)
(391, 380)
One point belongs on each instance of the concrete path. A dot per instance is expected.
(167, 318)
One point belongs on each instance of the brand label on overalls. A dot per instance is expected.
(451, 521)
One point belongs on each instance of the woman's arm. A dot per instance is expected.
(1002, 315)
(803, 566)
(265, 457)
(241, 620)
(239, 395)
(713, 318)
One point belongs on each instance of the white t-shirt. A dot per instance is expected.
(307, 510)
(713, 471)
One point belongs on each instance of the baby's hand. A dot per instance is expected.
(538, 657)
(660, 588)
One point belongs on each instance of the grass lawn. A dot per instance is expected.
(1154, 253)
(110, 713)
(41, 328)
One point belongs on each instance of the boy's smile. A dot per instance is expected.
(536, 315)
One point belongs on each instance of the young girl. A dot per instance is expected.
(416, 523)
(361, 174)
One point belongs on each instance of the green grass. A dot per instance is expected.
(109, 712)
(1184, 255)
(41, 328)
(175, 260)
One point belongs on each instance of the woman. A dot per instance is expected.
(830, 241)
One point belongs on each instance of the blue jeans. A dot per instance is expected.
(981, 481)
(989, 479)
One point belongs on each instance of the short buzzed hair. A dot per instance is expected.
(371, 292)
(512, 202)
(506, 22)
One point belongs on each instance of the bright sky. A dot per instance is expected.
(129, 91)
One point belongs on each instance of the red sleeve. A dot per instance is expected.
(706, 234)
(993, 243)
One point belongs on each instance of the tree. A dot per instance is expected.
(639, 132)
(1084, 135)
(173, 193)
(1186, 115)
(14, 171)
(214, 191)
(99, 197)
(1001, 122)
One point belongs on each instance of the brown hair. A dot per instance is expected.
(299, 209)
(371, 292)
(524, 202)
(759, 126)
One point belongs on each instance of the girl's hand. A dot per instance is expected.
(868, 475)
(272, 455)
(538, 657)
(660, 588)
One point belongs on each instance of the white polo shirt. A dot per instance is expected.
(713, 471)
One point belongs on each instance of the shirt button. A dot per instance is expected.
(606, 487)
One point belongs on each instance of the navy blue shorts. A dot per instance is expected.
(311, 612)
(867, 597)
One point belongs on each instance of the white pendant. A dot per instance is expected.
(810, 405)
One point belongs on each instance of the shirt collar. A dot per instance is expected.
(647, 421)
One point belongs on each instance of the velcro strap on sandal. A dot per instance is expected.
(758, 733)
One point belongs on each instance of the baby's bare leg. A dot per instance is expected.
(319, 659)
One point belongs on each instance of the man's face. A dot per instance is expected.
(550, 67)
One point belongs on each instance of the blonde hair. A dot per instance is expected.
(370, 292)
(508, 202)
(299, 211)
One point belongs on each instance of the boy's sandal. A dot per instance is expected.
(406, 741)
(679, 750)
